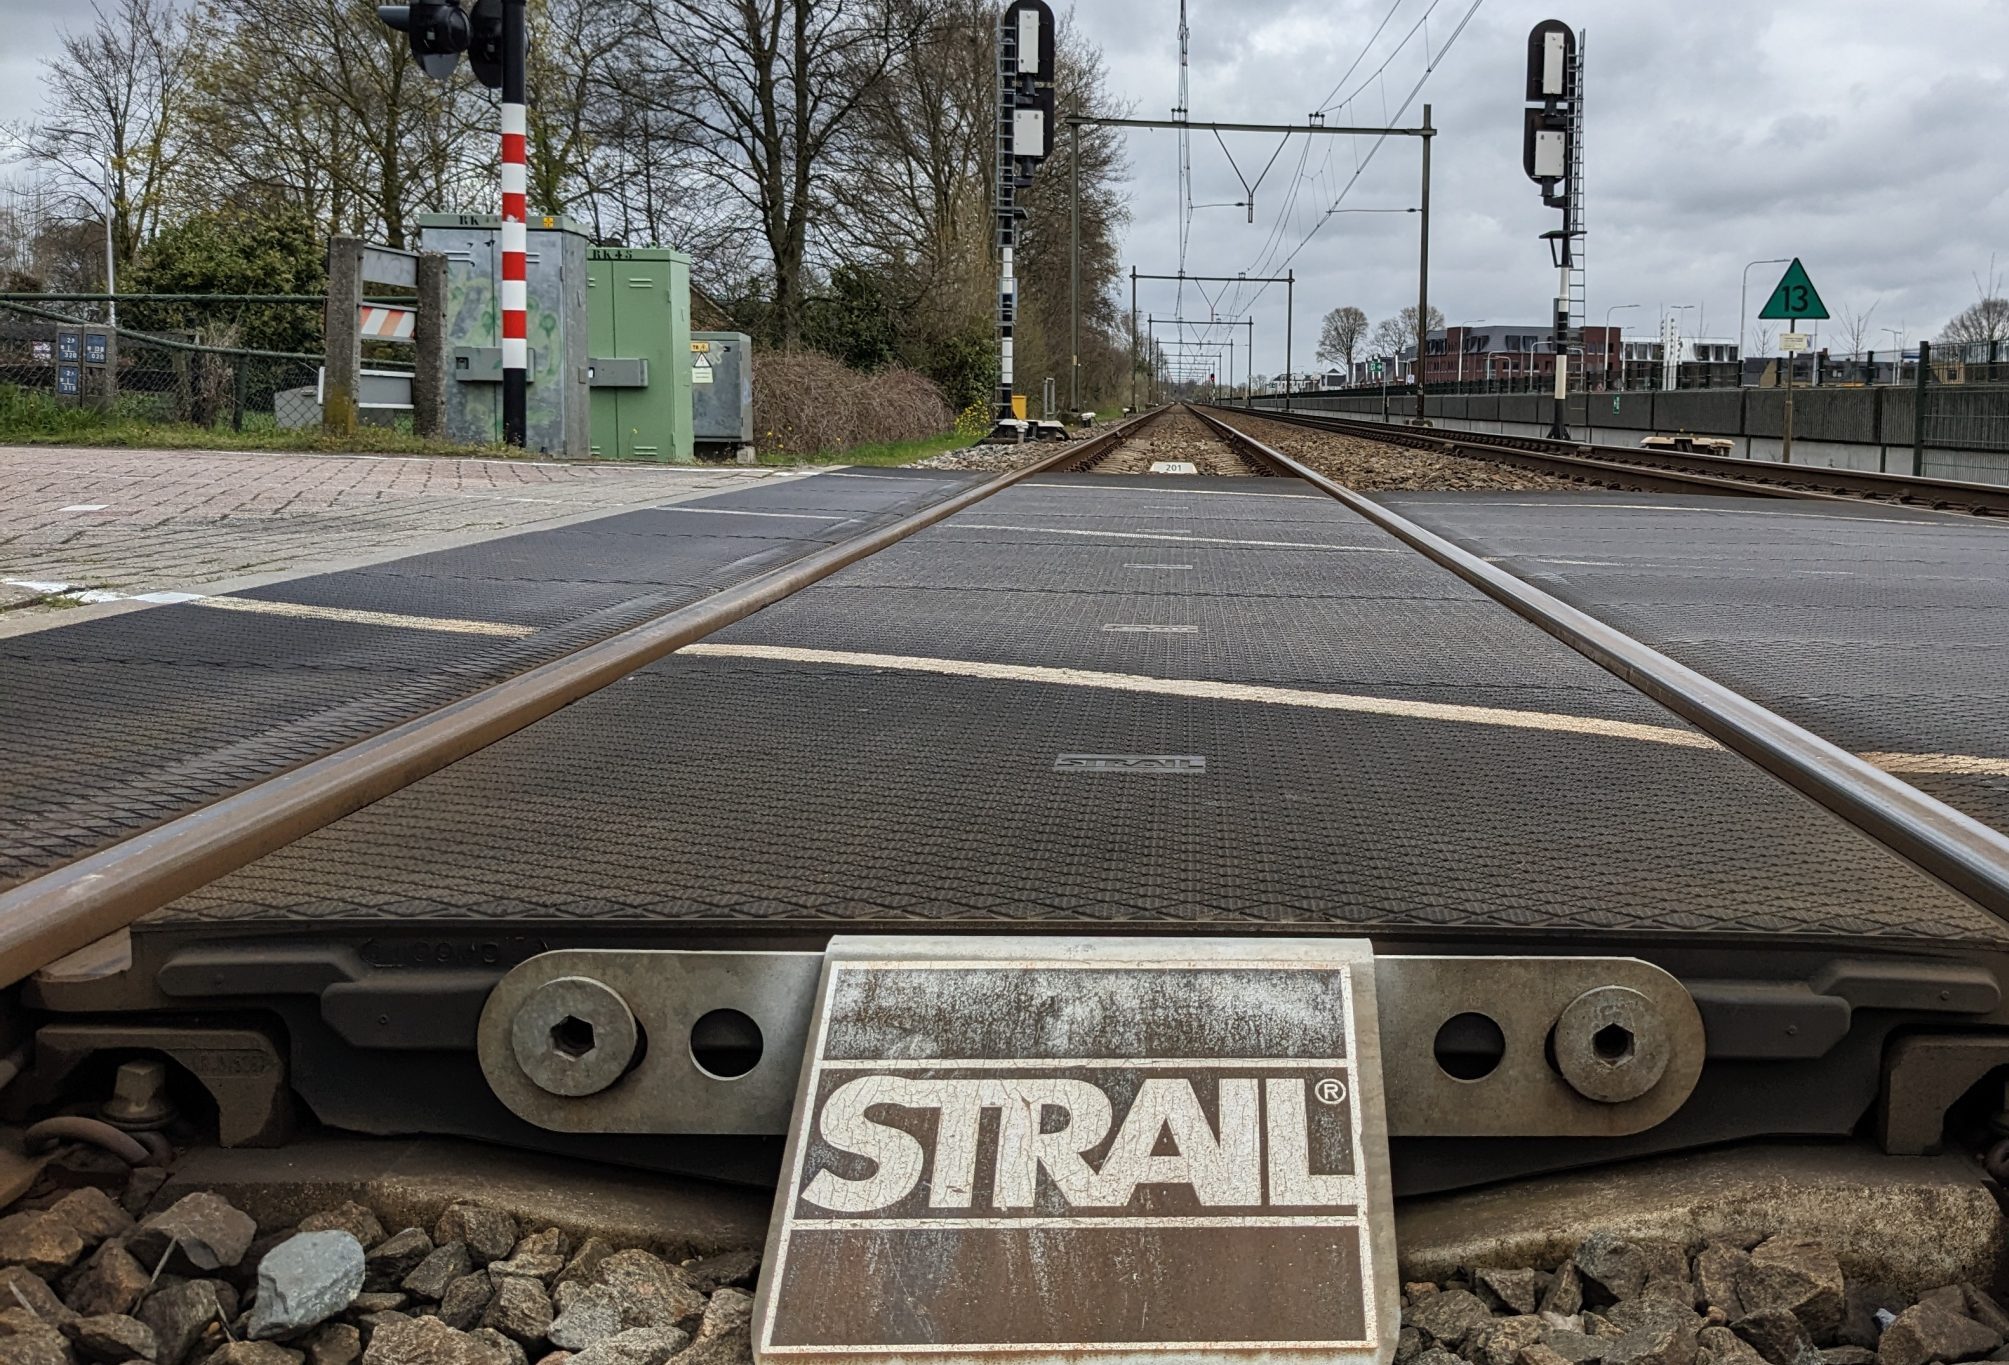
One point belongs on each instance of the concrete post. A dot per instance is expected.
(430, 364)
(343, 381)
(1423, 283)
(1918, 409)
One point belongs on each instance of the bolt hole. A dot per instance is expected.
(726, 1044)
(1469, 1047)
(572, 1037)
(1612, 1044)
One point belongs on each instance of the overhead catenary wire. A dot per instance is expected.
(1374, 148)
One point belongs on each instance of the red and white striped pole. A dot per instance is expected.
(515, 226)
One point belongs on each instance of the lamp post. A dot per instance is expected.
(1743, 295)
(1475, 322)
(1897, 354)
(1615, 308)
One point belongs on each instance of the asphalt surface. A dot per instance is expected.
(1885, 630)
(111, 725)
(1156, 704)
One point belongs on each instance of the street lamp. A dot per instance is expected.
(1475, 322)
(1743, 293)
(1615, 308)
(1670, 352)
(1897, 361)
(111, 268)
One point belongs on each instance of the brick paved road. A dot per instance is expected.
(133, 521)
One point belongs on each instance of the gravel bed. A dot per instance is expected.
(99, 1273)
(1372, 467)
(992, 459)
(1178, 435)
(1732, 1301)
(96, 1268)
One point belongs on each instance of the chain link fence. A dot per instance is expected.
(170, 363)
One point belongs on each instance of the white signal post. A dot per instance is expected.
(1024, 136)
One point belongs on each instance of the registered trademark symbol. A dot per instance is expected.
(1330, 1091)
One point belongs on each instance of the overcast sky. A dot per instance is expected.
(1869, 137)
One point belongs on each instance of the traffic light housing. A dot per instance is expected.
(484, 52)
(440, 30)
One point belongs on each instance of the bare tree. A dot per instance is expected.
(1393, 335)
(1340, 335)
(1854, 327)
(914, 189)
(768, 89)
(315, 103)
(113, 125)
(1985, 322)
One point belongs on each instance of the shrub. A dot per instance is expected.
(805, 403)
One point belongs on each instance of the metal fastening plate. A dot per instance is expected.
(1180, 1138)
(1527, 1000)
(667, 993)
(1519, 1003)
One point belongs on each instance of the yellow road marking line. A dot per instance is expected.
(1955, 765)
(1182, 538)
(448, 624)
(1202, 690)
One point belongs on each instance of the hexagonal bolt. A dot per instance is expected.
(574, 1036)
(1611, 1044)
(139, 1101)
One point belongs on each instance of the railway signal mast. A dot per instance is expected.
(1025, 121)
(495, 35)
(1553, 127)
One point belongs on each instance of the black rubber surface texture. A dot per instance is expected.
(710, 791)
(110, 726)
(1885, 630)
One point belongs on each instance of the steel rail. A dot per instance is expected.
(1724, 472)
(1081, 460)
(78, 903)
(1959, 850)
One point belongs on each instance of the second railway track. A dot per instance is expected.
(1666, 470)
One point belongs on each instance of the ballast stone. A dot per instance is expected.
(41, 1243)
(205, 1232)
(111, 1281)
(490, 1234)
(304, 1281)
(1926, 1332)
(428, 1341)
(387, 1263)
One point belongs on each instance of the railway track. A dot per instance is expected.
(346, 989)
(1671, 471)
(1171, 440)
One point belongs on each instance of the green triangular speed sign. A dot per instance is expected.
(1794, 298)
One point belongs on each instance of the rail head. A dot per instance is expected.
(1959, 850)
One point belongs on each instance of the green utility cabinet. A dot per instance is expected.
(638, 311)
